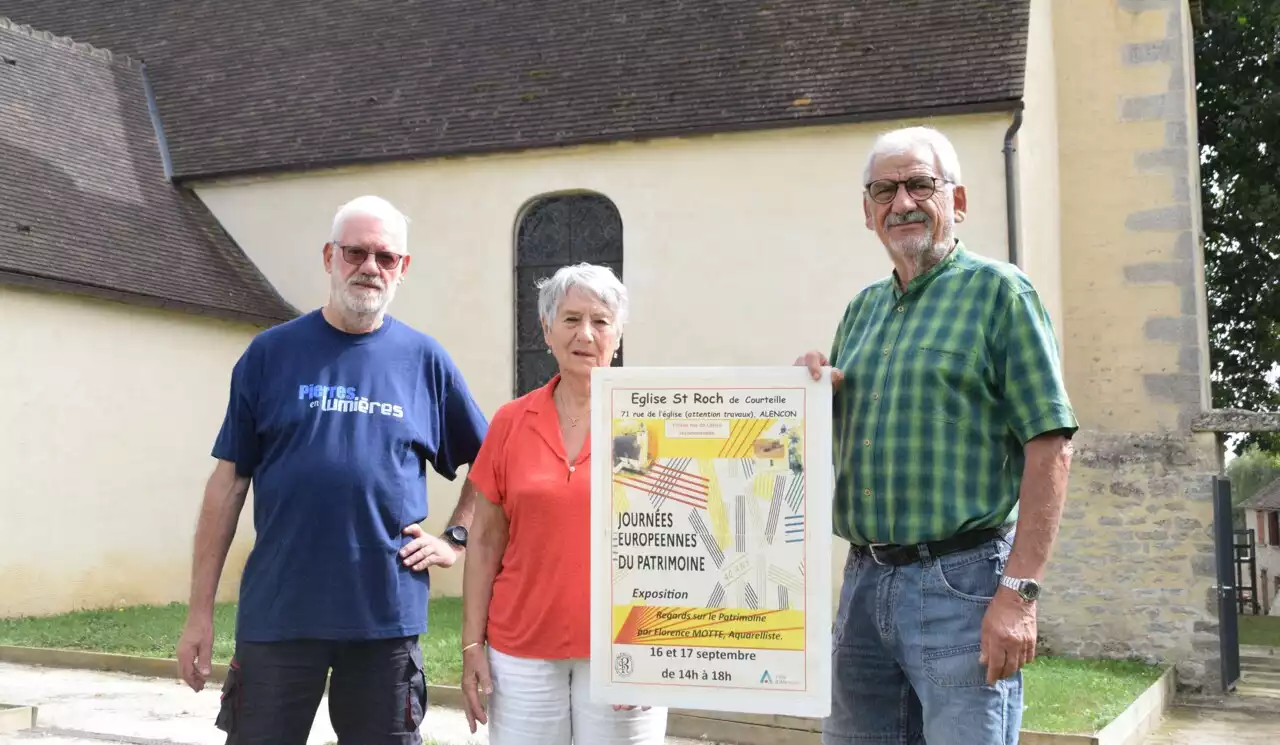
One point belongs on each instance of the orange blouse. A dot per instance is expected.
(540, 604)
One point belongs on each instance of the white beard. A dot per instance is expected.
(362, 301)
(922, 251)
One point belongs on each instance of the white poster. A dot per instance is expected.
(711, 539)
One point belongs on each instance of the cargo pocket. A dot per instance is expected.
(232, 695)
(415, 690)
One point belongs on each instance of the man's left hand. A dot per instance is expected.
(1008, 635)
(426, 550)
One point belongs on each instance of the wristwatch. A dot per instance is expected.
(457, 535)
(1027, 589)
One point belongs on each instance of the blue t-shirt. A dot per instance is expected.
(335, 430)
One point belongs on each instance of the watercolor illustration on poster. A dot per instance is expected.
(711, 539)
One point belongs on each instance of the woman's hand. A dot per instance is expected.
(475, 678)
(426, 550)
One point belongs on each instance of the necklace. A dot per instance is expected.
(573, 420)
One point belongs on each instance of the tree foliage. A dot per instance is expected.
(1249, 472)
(1238, 92)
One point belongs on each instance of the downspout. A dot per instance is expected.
(1011, 184)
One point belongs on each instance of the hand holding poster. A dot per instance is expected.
(711, 539)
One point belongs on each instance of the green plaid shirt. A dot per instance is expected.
(944, 383)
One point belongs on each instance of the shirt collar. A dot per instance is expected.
(547, 424)
(542, 400)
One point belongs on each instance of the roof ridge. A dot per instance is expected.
(68, 43)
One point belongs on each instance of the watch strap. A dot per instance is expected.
(1019, 586)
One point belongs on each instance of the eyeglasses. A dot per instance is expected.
(884, 191)
(356, 256)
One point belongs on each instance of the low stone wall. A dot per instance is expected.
(1133, 570)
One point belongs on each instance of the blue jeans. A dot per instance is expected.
(905, 651)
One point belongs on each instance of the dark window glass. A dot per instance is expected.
(554, 232)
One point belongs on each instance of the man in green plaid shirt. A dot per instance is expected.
(952, 428)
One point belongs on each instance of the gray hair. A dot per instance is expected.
(394, 224)
(599, 281)
(912, 140)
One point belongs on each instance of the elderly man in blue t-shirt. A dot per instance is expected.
(333, 418)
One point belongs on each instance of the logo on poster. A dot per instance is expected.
(622, 665)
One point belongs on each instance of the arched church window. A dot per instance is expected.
(555, 231)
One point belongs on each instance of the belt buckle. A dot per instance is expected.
(871, 549)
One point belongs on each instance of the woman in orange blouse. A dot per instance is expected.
(526, 593)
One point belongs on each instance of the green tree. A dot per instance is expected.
(1249, 472)
(1238, 90)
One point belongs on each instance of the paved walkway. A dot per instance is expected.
(1250, 717)
(1260, 672)
(1236, 721)
(89, 708)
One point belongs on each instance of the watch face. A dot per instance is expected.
(1030, 589)
(457, 534)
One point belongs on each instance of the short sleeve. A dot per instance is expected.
(237, 440)
(488, 474)
(462, 426)
(842, 330)
(1030, 369)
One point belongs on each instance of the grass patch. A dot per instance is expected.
(1262, 631)
(1061, 695)
(1081, 696)
(153, 631)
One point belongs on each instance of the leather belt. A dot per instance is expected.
(887, 554)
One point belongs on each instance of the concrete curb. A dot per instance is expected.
(150, 667)
(1129, 728)
(1143, 716)
(16, 718)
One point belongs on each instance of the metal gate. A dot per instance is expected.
(1246, 561)
(1228, 600)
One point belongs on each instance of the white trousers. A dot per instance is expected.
(548, 702)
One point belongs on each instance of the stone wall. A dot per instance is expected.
(1134, 565)
(1132, 572)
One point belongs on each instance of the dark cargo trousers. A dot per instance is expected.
(377, 692)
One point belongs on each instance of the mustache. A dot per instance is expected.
(367, 279)
(904, 218)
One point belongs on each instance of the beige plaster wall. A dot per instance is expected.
(1039, 235)
(110, 413)
(1134, 565)
(739, 249)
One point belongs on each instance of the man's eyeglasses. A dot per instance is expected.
(356, 256)
(920, 188)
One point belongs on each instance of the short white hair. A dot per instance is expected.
(599, 281)
(916, 140)
(394, 224)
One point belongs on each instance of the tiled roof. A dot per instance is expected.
(84, 202)
(257, 85)
(1266, 498)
